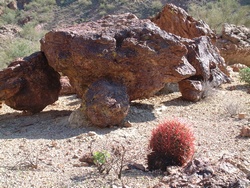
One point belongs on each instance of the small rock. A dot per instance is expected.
(137, 166)
(245, 131)
(92, 133)
(80, 165)
(237, 67)
(228, 168)
(87, 158)
(127, 124)
(75, 157)
(242, 115)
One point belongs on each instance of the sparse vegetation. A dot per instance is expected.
(100, 160)
(216, 13)
(207, 89)
(112, 157)
(245, 75)
(54, 13)
(15, 48)
(232, 109)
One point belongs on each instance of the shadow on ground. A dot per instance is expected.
(54, 124)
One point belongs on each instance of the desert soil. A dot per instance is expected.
(46, 149)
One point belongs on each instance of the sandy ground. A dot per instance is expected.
(45, 149)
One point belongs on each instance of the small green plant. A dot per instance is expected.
(100, 159)
(172, 143)
(245, 75)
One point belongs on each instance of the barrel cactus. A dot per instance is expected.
(171, 144)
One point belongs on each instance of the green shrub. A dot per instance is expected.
(8, 17)
(30, 32)
(245, 75)
(100, 159)
(16, 48)
(84, 3)
(216, 13)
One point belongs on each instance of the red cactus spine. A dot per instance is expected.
(172, 143)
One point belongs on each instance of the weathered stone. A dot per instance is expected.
(12, 5)
(234, 44)
(67, 88)
(245, 131)
(191, 89)
(176, 20)
(202, 54)
(121, 48)
(210, 69)
(29, 84)
(107, 103)
(205, 58)
(237, 67)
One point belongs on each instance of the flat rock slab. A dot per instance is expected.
(120, 48)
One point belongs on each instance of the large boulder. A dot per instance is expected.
(120, 48)
(29, 84)
(234, 44)
(176, 20)
(205, 58)
(202, 54)
(210, 69)
(134, 57)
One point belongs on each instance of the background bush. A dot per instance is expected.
(218, 12)
(245, 75)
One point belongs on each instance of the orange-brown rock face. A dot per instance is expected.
(67, 88)
(202, 54)
(120, 48)
(234, 44)
(29, 84)
(176, 20)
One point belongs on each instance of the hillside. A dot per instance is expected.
(24, 22)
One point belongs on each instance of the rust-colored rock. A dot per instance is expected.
(29, 84)
(67, 88)
(135, 53)
(209, 65)
(234, 44)
(245, 131)
(202, 54)
(191, 89)
(205, 58)
(176, 20)
(107, 103)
